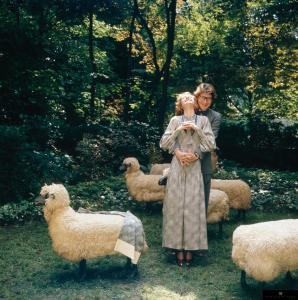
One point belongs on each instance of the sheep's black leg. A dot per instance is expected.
(82, 269)
(238, 214)
(128, 263)
(133, 268)
(262, 285)
(243, 280)
(220, 231)
(289, 276)
(134, 271)
(243, 215)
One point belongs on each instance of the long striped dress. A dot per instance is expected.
(184, 216)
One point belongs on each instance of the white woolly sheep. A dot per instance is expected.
(238, 192)
(142, 187)
(157, 169)
(264, 250)
(218, 208)
(79, 236)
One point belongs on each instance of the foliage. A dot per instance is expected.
(56, 65)
(271, 190)
(26, 165)
(104, 147)
(260, 141)
(18, 213)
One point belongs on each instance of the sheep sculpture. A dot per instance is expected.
(238, 192)
(142, 187)
(218, 208)
(81, 236)
(264, 250)
(157, 169)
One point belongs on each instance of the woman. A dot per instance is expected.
(184, 217)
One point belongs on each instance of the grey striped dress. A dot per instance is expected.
(184, 216)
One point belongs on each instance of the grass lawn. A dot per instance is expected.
(31, 270)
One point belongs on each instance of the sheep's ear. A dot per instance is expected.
(143, 168)
(52, 196)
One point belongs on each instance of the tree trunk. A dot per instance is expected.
(93, 66)
(129, 67)
(164, 73)
(171, 18)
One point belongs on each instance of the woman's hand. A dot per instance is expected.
(185, 158)
(183, 126)
(190, 125)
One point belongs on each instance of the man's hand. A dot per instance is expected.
(185, 158)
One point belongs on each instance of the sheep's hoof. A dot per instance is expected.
(242, 214)
(134, 271)
(291, 280)
(82, 269)
(243, 280)
(220, 230)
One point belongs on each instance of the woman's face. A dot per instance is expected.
(204, 101)
(187, 100)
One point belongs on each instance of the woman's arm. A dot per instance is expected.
(169, 139)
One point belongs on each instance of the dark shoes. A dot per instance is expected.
(163, 180)
(183, 256)
(179, 258)
(188, 258)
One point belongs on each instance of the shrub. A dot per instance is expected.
(271, 190)
(13, 213)
(104, 147)
(260, 141)
(25, 165)
(109, 194)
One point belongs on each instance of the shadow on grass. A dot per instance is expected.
(255, 289)
(95, 272)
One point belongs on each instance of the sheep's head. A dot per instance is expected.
(131, 164)
(55, 195)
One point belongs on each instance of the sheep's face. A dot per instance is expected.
(56, 196)
(131, 164)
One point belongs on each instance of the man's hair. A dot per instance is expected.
(205, 88)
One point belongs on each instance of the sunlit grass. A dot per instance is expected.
(30, 269)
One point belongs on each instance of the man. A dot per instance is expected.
(204, 94)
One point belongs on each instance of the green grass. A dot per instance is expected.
(31, 270)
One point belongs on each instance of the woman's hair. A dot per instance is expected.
(205, 88)
(178, 105)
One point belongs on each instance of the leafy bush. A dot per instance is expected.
(25, 165)
(108, 194)
(260, 141)
(271, 190)
(104, 147)
(13, 213)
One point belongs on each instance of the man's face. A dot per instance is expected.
(204, 101)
